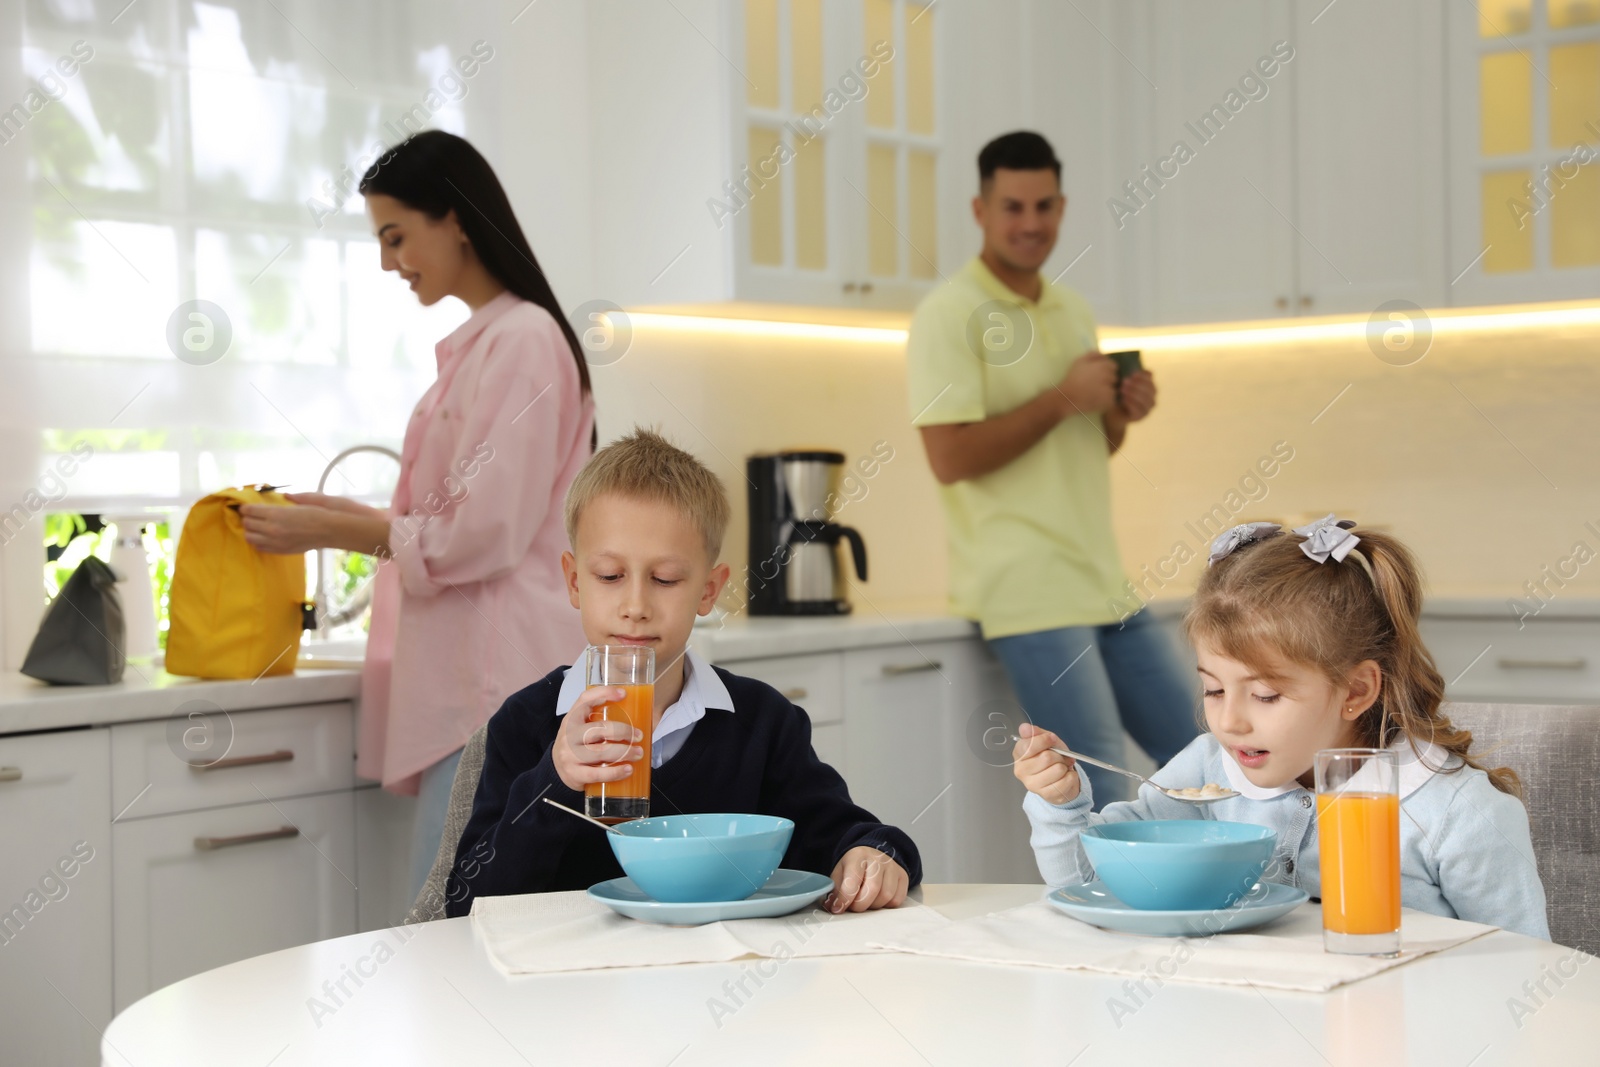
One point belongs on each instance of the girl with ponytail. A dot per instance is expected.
(1305, 642)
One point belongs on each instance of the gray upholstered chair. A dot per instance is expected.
(1556, 750)
(429, 904)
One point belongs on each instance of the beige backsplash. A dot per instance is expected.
(1482, 456)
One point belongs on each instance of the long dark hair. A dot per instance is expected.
(436, 173)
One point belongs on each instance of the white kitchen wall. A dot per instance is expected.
(1480, 456)
(727, 396)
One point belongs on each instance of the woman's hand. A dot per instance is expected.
(286, 530)
(315, 520)
(337, 503)
(865, 878)
(582, 748)
(1049, 774)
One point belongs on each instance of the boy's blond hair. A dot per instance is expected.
(645, 465)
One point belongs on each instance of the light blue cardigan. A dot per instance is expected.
(1465, 850)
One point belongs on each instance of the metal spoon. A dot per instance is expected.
(1173, 793)
(578, 814)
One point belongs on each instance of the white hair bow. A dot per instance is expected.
(1248, 533)
(1328, 536)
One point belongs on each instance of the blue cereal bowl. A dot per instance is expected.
(682, 859)
(1179, 864)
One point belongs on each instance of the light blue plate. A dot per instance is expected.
(786, 891)
(1094, 904)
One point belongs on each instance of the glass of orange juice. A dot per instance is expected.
(1358, 837)
(632, 668)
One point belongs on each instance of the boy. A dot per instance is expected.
(646, 520)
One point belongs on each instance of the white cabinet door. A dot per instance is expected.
(55, 897)
(1535, 661)
(989, 832)
(1223, 202)
(1101, 146)
(201, 889)
(206, 757)
(811, 681)
(1369, 138)
(383, 857)
(897, 744)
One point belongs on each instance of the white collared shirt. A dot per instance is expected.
(702, 690)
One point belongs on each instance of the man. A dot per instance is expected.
(1019, 413)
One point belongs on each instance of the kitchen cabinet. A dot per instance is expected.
(1369, 156)
(795, 150)
(199, 889)
(1219, 185)
(1524, 78)
(207, 758)
(55, 897)
(898, 750)
(384, 824)
(1499, 659)
(895, 719)
(1280, 185)
(142, 850)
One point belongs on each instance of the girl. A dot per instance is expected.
(470, 604)
(1309, 642)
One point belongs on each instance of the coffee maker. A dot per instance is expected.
(795, 566)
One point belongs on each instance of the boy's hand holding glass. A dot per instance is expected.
(582, 747)
(1051, 775)
(865, 878)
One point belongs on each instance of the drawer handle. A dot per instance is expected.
(283, 755)
(796, 693)
(894, 670)
(10, 774)
(1576, 663)
(211, 844)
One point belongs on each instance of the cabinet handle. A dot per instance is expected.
(1576, 663)
(866, 287)
(1305, 301)
(796, 693)
(1282, 302)
(849, 287)
(894, 670)
(283, 755)
(211, 844)
(10, 774)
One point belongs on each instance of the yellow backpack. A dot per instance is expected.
(234, 612)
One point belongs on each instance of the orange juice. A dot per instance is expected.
(635, 708)
(1358, 838)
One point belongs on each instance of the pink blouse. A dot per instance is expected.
(472, 606)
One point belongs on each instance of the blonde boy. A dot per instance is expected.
(646, 520)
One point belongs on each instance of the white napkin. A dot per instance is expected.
(538, 933)
(1286, 954)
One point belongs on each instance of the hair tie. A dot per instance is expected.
(1230, 541)
(1331, 537)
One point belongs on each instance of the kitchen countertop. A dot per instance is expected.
(151, 693)
(732, 638)
(147, 692)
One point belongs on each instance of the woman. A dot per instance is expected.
(470, 604)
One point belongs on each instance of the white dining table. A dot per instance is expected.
(429, 994)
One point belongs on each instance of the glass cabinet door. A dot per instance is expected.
(838, 197)
(1528, 169)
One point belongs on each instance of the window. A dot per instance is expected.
(209, 151)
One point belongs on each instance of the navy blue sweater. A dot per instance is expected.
(757, 759)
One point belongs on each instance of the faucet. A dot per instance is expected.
(326, 619)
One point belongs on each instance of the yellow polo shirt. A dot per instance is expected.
(1031, 546)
